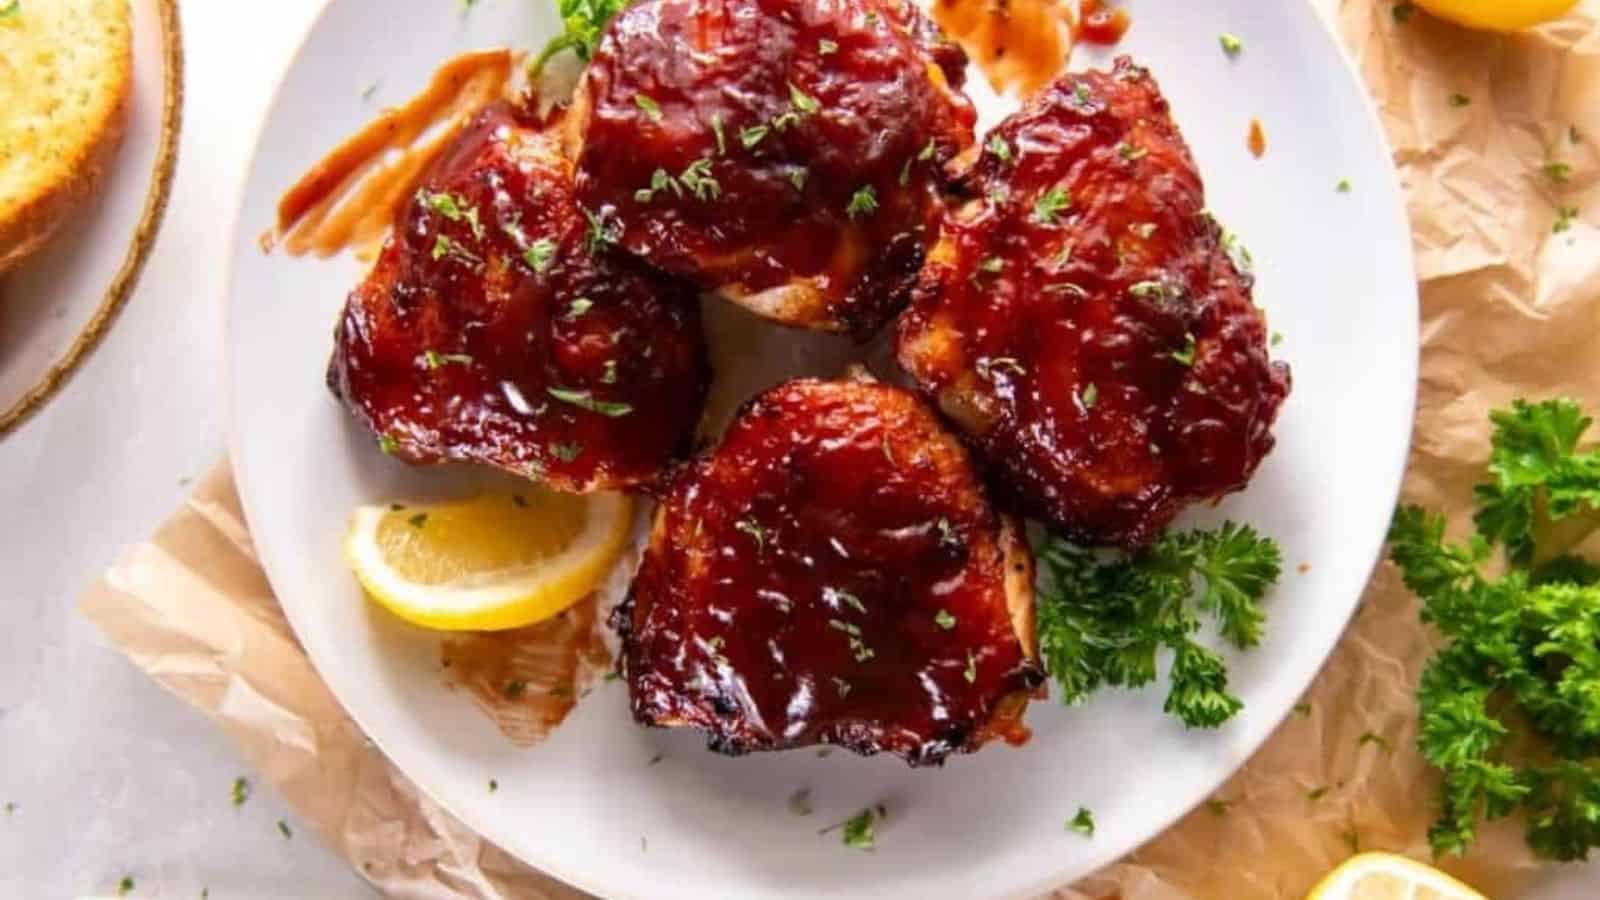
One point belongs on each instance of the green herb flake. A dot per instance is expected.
(1186, 355)
(608, 374)
(539, 254)
(283, 829)
(1231, 45)
(1050, 204)
(586, 400)
(1130, 152)
(1302, 709)
(1565, 216)
(1218, 808)
(240, 791)
(1343, 186)
(649, 105)
(10, 9)
(1082, 822)
(1458, 101)
(125, 886)
(970, 673)
(803, 103)
(753, 135)
(578, 307)
(1558, 172)
(387, 445)
(827, 47)
(566, 452)
(493, 785)
(750, 526)
(944, 620)
(864, 202)
(991, 265)
(1317, 793)
(418, 521)
(697, 178)
(1375, 739)
(927, 151)
(1089, 396)
(514, 689)
(1402, 12)
(716, 130)
(800, 802)
(988, 365)
(858, 832)
(797, 177)
(998, 146)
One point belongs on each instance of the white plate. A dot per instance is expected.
(1335, 277)
(55, 308)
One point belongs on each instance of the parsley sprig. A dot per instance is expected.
(1102, 619)
(585, 20)
(1510, 705)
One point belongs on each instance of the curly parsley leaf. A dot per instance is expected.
(1104, 618)
(1510, 706)
(585, 21)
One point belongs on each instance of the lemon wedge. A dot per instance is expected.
(1385, 876)
(1498, 15)
(490, 563)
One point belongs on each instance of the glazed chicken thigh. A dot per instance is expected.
(495, 329)
(1082, 321)
(833, 573)
(787, 155)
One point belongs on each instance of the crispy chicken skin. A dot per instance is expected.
(833, 573)
(786, 154)
(1083, 323)
(489, 331)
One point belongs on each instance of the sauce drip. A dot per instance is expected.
(527, 680)
(349, 199)
(1100, 25)
(1019, 45)
(1258, 139)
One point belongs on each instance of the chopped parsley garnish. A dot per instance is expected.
(864, 202)
(1083, 96)
(539, 254)
(659, 181)
(609, 374)
(803, 103)
(1460, 100)
(847, 598)
(948, 537)
(444, 246)
(515, 688)
(998, 146)
(797, 178)
(433, 359)
(826, 47)
(716, 129)
(753, 135)
(1089, 396)
(1558, 172)
(926, 153)
(1146, 290)
(1317, 793)
(648, 104)
(858, 833)
(566, 452)
(125, 886)
(418, 521)
(800, 802)
(1130, 152)
(1050, 204)
(387, 445)
(1082, 822)
(600, 232)
(971, 672)
(585, 21)
(1402, 12)
(1302, 709)
(697, 178)
(1102, 619)
(1510, 703)
(1565, 216)
(10, 8)
(1231, 45)
(283, 829)
(579, 306)
(454, 208)
(1343, 186)
(750, 526)
(944, 620)
(241, 790)
(586, 400)
(1375, 739)
(1186, 355)
(991, 265)
(493, 785)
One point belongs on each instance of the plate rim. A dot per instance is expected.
(145, 232)
(1114, 851)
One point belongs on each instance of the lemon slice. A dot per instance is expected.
(494, 562)
(1385, 876)
(1498, 15)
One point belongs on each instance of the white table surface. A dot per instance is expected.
(111, 775)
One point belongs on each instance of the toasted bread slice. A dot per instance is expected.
(66, 76)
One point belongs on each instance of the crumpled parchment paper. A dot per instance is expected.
(1510, 308)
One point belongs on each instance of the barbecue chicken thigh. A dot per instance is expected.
(495, 328)
(785, 154)
(833, 573)
(1082, 321)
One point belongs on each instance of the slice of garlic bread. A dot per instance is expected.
(66, 74)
